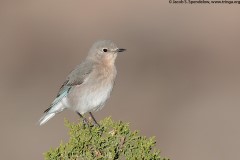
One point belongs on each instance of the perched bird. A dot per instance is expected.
(89, 85)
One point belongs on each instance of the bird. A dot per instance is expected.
(87, 87)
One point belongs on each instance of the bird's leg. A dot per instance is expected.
(85, 121)
(94, 120)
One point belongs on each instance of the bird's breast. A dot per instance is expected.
(93, 92)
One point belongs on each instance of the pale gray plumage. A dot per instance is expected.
(89, 85)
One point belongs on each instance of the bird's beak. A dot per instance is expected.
(121, 50)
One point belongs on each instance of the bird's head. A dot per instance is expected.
(104, 51)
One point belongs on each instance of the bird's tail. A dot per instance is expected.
(50, 113)
(46, 117)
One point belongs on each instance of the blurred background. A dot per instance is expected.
(179, 79)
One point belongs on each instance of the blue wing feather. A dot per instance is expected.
(76, 77)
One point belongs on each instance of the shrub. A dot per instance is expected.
(112, 140)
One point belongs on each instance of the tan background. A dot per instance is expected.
(179, 79)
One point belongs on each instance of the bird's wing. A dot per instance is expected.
(76, 77)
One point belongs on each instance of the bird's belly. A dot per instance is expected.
(85, 98)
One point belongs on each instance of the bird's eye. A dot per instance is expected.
(105, 50)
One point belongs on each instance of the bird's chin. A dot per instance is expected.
(109, 59)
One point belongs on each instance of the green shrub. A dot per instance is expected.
(112, 140)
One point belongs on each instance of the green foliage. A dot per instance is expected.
(112, 140)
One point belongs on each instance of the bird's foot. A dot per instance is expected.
(96, 124)
(94, 120)
(85, 122)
